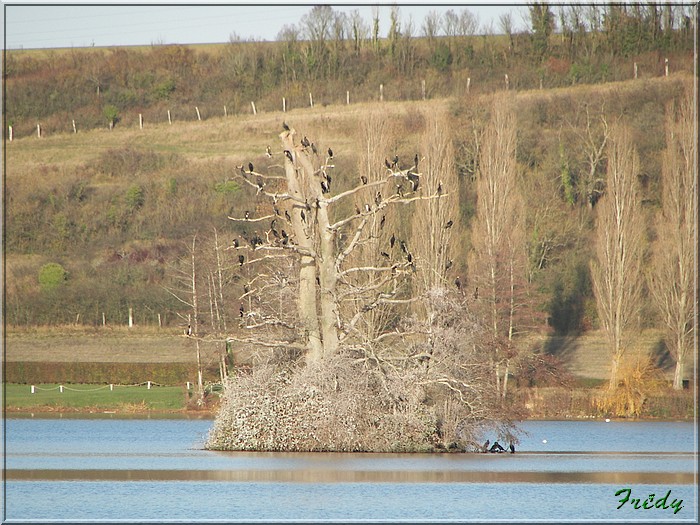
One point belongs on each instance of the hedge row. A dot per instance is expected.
(37, 372)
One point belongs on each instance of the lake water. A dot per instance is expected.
(157, 470)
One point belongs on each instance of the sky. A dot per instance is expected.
(53, 25)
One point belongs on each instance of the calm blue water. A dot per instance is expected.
(157, 470)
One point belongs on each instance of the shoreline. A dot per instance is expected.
(45, 411)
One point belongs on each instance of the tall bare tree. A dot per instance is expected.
(673, 274)
(185, 289)
(436, 221)
(497, 263)
(616, 271)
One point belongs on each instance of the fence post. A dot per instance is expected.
(635, 70)
(131, 317)
(75, 130)
(170, 120)
(11, 132)
(111, 387)
(199, 117)
(469, 81)
(148, 387)
(284, 105)
(253, 104)
(666, 65)
(32, 390)
(422, 88)
(507, 82)
(140, 121)
(188, 385)
(104, 319)
(347, 98)
(60, 389)
(311, 100)
(381, 92)
(225, 111)
(38, 130)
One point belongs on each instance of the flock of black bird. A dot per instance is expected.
(496, 448)
(282, 237)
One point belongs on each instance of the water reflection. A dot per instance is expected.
(349, 476)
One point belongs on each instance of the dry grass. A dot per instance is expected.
(109, 344)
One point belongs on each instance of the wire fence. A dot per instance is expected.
(208, 388)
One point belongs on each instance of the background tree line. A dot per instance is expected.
(328, 53)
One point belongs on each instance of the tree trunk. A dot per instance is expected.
(303, 228)
(195, 325)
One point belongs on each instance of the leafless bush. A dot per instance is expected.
(429, 395)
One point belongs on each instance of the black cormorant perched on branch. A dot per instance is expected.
(330, 153)
(284, 126)
(250, 167)
(387, 164)
(363, 179)
(449, 224)
(289, 155)
(241, 260)
(458, 283)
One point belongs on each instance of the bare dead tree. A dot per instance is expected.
(326, 244)
(673, 276)
(185, 289)
(355, 270)
(616, 271)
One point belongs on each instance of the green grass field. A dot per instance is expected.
(97, 397)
